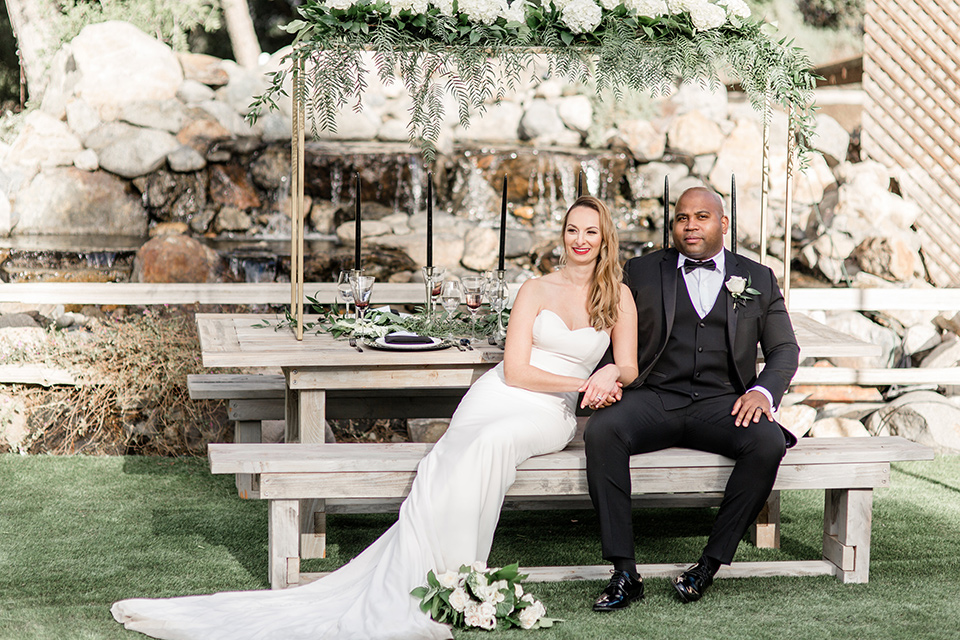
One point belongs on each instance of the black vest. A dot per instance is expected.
(695, 363)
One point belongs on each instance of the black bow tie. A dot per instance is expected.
(692, 265)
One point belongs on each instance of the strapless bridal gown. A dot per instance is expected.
(447, 520)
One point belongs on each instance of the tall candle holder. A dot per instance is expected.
(498, 295)
(432, 282)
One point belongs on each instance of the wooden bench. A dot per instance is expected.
(846, 469)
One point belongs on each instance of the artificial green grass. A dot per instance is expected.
(77, 533)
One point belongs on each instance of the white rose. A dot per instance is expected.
(471, 615)
(485, 12)
(648, 8)
(489, 623)
(517, 590)
(528, 598)
(459, 599)
(488, 610)
(530, 615)
(707, 16)
(414, 6)
(445, 6)
(737, 8)
(343, 5)
(609, 5)
(582, 16)
(479, 566)
(736, 285)
(448, 579)
(517, 12)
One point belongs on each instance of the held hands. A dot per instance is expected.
(749, 407)
(602, 388)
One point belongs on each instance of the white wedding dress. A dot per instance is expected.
(447, 520)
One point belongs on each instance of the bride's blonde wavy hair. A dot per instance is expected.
(604, 297)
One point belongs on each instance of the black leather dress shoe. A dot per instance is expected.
(691, 584)
(622, 590)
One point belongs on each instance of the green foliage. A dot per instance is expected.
(432, 53)
(169, 20)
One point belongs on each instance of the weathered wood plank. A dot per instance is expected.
(795, 568)
(877, 377)
(35, 375)
(283, 526)
(260, 458)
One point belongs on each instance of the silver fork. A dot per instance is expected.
(353, 343)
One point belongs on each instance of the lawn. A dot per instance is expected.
(77, 533)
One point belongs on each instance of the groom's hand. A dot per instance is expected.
(749, 407)
(610, 398)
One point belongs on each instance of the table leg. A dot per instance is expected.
(306, 422)
(248, 484)
(847, 518)
(765, 532)
(284, 522)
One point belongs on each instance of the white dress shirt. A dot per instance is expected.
(704, 287)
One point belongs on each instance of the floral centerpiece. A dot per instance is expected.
(480, 597)
(478, 49)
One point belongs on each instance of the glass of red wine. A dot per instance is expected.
(473, 295)
(362, 288)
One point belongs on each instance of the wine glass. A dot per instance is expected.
(362, 288)
(473, 292)
(451, 294)
(345, 289)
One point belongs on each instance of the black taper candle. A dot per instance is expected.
(666, 211)
(503, 224)
(733, 213)
(356, 259)
(429, 219)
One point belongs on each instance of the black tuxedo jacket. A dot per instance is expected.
(762, 321)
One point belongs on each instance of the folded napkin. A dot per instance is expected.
(399, 337)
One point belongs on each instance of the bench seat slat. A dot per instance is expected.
(404, 457)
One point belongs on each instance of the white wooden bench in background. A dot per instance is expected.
(846, 469)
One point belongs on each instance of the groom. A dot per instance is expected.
(702, 311)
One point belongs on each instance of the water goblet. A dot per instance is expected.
(473, 293)
(451, 294)
(345, 289)
(362, 288)
(432, 280)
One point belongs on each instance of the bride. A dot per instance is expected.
(560, 326)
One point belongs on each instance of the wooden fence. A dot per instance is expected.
(911, 75)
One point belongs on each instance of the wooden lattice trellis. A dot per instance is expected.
(911, 75)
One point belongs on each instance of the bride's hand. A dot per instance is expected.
(600, 386)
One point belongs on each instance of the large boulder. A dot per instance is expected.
(644, 140)
(830, 139)
(177, 258)
(838, 428)
(117, 63)
(740, 154)
(71, 201)
(922, 416)
(499, 123)
(694, 134)
(44, 141)
(140, 152)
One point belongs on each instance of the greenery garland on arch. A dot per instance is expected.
(478, 49)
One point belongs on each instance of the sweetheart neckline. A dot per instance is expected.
(557, 316)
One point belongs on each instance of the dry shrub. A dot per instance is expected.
(131, 395)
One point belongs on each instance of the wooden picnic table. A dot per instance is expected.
(320, 362)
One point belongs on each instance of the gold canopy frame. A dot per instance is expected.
(297, 213)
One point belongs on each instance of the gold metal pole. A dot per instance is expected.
(788, 214)
(296, 200)
(764, 181)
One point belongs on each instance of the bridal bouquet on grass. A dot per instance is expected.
(481, 597)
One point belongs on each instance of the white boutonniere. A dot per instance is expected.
(740, 289)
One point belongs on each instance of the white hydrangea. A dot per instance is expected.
(737, 8)
(648, 8)
(414, 6)
(517, 12)
(679, 6)
(582, 16)
(342, 5)
(530, 615)
(484, 12)
(610, 5)
(445, 6)
(459, 599)
(707, 16)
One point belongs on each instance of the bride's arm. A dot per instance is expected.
(624, 369)
(517, 370)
